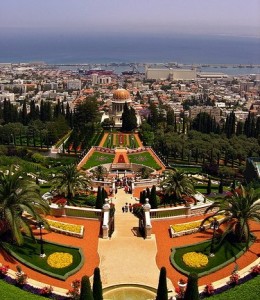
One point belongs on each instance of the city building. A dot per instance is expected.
(171, 74)
(74, 84)
(7, 96)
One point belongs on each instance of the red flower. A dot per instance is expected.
(182, 281)
(233, 279)
(4, 269)
(255, 270)
(209, 289)
(46, 290)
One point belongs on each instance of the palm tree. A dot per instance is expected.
(17, 197)
(70, 181)
(176, 184)
(99, 172)
(240, 206)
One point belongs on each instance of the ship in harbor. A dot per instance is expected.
(98, 71)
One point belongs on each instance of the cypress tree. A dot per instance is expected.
(220, 187)
(104, 195)
(99, 199)
(142, 197)
(192, 291)
(209, 187)
(147, 193)
(97, 285)
(85, 291)
(162, 291)
(239, 128)
(152, 198)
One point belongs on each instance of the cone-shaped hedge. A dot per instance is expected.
(192, 291)
(153, 200)
(97, 285)
(220, 187)
(99, 199)
(209, 187)
(85, 291)
(162, 291)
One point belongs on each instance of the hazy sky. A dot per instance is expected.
(234, 17)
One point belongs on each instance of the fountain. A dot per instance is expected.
(129, 292)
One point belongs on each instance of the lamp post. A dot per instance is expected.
(41, 226)
(213, 225)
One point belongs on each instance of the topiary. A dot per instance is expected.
(85, 291)
(192, 291)
(162, 291)
(97, 285)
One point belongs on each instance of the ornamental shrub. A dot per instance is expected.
(220, 188)
(162, 291)
(209, 187)
(85, 292)
(153, 198)
(99, 199)
(192, 291)
(97, 285)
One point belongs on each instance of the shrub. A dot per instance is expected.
(97, 285)
(38, 158)
(255, 270)
(91, 200)
(85, 293)
(3, 269)
(21, 277)
(46, 291)
(74, 292)
(208, 290)
(162, 291)
(192, 291)
(234, 278)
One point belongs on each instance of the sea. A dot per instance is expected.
(235, 54)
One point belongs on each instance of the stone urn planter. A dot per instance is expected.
(57, 210)
(182, 285)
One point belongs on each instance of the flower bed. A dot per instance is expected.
(190, 227)
(66, 228)
(60, 260)
(195, 260)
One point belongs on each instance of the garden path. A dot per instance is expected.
(140, 144)
(127, 257)
(102, 142)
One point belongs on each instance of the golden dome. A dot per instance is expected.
(121, 94)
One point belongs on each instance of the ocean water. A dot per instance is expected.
(187, 49)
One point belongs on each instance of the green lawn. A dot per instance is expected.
(224, 254)
(29, 255)
(144, 158)
(246, 291)
(98, 158)
(10, 292)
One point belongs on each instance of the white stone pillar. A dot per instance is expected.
(105, 225)
(148, 225)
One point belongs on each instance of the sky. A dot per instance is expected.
(209, 17)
